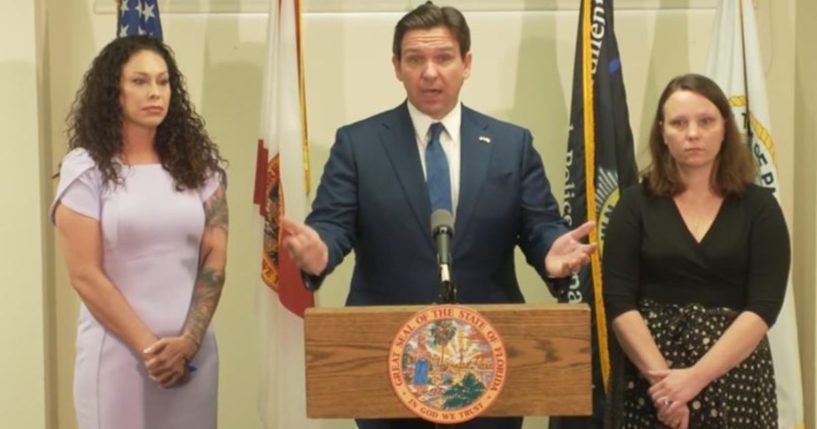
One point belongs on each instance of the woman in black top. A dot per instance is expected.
(696, 262)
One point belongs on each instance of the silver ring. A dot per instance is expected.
(666, 402)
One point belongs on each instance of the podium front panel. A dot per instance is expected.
(548, 356)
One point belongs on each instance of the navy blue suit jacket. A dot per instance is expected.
(373, 199)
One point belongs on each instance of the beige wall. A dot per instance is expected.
(805, 207)
(24, 369)
(523, 62)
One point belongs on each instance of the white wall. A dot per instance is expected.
(24, 372)
(523, 61)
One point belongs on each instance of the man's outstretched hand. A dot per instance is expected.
(568, 253)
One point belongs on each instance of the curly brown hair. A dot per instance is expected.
(95, 120)
(735, 167)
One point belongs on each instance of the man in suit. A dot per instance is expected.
(374, 194)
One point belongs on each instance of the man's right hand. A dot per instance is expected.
(305, 246)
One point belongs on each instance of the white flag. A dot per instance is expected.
(281, 171)
(735, 64)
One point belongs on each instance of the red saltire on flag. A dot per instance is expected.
(278, 270)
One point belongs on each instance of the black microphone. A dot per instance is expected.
(442, 230)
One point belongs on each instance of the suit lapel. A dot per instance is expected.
(475, 157)
(398, 139)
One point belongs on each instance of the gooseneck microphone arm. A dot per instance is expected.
(442, 230)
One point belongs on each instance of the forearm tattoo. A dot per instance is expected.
(210, 279)
(206, 294)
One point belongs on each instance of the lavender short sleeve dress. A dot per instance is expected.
(151, 234)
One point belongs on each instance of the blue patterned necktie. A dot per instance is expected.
(437, 177)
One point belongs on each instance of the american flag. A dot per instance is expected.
(138, 17)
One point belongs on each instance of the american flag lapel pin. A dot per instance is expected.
(485, 139)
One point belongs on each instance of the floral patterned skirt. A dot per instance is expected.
(744, 398)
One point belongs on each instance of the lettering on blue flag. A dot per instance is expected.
(138, 17)
(600, 163)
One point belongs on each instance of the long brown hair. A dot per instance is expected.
(734, 166)
(95, 121)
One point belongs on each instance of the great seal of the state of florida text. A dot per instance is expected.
(447, 364)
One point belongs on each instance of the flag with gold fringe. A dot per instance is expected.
(600, 163)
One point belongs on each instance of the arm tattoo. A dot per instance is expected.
(216, 214)
(210, 279)
(206, 294)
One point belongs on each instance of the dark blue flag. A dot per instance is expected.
(600, 163)
(138, 17)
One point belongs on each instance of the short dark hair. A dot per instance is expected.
(429, 15)
(95, 122)
(735, 167)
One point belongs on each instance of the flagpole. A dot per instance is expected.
(302, 95)
(747, 116)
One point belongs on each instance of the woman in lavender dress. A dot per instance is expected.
(142, 221)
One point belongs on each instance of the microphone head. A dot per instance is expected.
(442, 219)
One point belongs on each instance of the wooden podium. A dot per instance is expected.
(548, 350)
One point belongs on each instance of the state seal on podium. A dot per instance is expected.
(447, 364)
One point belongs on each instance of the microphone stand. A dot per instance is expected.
(448, 295)
(442, 230)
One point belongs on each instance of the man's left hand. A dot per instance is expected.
(568, 253)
